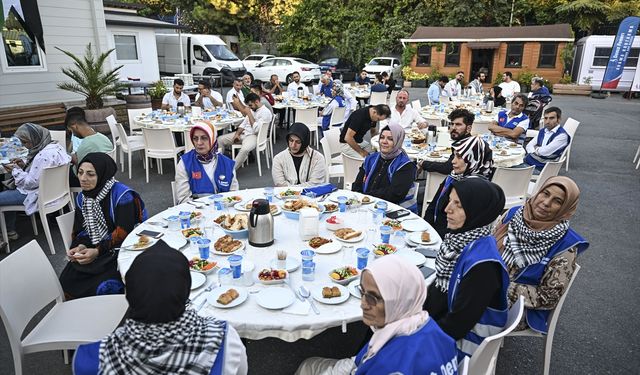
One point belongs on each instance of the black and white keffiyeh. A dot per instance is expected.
(478, 156)
(524, 246)
(188, 345)
(94, 221)
(450, 251)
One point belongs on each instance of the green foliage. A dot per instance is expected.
(407, 55)
(525, 77)
(89, 77)
(157, 90)
(410, 75)
(567, 55)
(498, 79)
(584, 14)
(566, 79)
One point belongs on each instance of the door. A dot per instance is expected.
(199, 60)
(482, 59)
(262, 71)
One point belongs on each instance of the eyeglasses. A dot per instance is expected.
(368, 297)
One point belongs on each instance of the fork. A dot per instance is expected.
(207, 289)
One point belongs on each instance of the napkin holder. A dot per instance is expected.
(308, 223)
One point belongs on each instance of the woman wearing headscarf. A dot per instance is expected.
(472, 156)
(337, 101)
(389, 174)
(540, 249)
(107, 211)
(23, 186)
(468, 299)
(496, 96)
(299, 164)
(159, 335)
(203, 170)
(405, 339)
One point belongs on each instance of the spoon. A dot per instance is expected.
(304, 293)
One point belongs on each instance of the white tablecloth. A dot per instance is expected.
(181, 125)
(254, 322)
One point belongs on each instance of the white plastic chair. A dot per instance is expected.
(434, 179)
(336, 170)
(309, 117)
(128, 145)
(378, 98)
(28, 283)
(392, 97)
(262, 145)
(570, 126)
(272, 136)
(416, 105)
(484, 359)
(65, 224)
(351, 168)
(463, 366)
(174, 193)
(553, 321)
(114, 154)
(514, 182)
(337, 116)
(60, 136)
(159, 144)
(549, 170)
(480, 127)
(188, 143)
(134, 126)
(115, 133)
(333, 137)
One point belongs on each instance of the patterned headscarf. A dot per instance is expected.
(38, 136)
(338, 89)
(94, 221)
(478, 156)
(208, 128)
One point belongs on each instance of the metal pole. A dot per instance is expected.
(180, 40)
(513, 2)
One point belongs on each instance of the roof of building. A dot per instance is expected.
(127, 19)
(559, 33)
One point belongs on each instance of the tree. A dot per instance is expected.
(584, 14)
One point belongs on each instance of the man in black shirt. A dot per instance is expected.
(460, 128)
(363, 120)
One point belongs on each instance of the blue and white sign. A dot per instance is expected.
(620, 52)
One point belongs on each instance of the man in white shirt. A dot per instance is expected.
(405, 115)
(256, 116)
(296, 87)
(236, 90)
(509, 86)
(171, 99)
(551, 142)
(207, 98)
(454, 87)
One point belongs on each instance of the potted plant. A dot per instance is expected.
(92, 81)
(567, 87)
(157, 92)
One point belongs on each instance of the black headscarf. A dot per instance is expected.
(105, 168)
(301, 131)
(481, 199)
(496, 91)
(158, 285)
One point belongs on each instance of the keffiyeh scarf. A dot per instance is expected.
(94, 221)
(188, 345)
(478, 156)
(450, 251)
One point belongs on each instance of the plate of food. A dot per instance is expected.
(192, 232)
(269, 276)
(334, 223)
(275, 298)
(353, 288)
(202, 265)
(422, 238)
(343, 275)
(383, 249)
(394, 224)
(224, 297)
(246, 206)
(235, 225)
(197, 280)
(349, 235)
(374, 207)
(142, 243)
(367, 200)
(323, 245)
(231, 200)
(291, 208)
(330, 207)
(289, 194)
(330, 295)
(227, 245)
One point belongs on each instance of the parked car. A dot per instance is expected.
(340, 68)
(253, 60)
(284, 68)
(391, 65)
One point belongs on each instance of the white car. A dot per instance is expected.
(377, 65)
(284, 68)
(253, 60)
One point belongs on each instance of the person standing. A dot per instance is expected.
(358, 124)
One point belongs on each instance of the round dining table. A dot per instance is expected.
(297, 320)
(221, 118)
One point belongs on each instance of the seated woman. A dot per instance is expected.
(299, 164)
(468, 299)
(389, 174)
(540, 249)
(22, 187)
(337, 101)
(159, 335)
(107, 211)
(471, 156)
(496, 96)
(405, 339)
(203, 170)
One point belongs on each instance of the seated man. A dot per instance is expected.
(265, 97)
(256, 116)
(171, 99)
(436, 90)
(353, 132)
(378, 84)
(299, 164)
(337, 101)
(459, 129)
(206, 98)
(454, 87)
(539, 90)
(297, 89)
(405, 115)
(236, 91)
(363, 78)
(246, 84)
(388, 81)
(324, 87)
(476, 84)
(551, 142)
(513, 125)
(509, 86)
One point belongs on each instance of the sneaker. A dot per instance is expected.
(13, 235)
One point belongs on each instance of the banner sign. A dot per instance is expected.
(620, 52)
(635, 86)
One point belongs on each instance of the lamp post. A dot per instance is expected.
(513, 3)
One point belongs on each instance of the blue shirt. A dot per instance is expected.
(434, 93)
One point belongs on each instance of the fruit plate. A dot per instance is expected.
(344, 281)
(316, 293)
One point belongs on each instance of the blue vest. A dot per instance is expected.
(492, 321)
(326, 119)
(532, 274)
(400, 161)
(120, 193)
(199, 182)
(447, 182)
(326, 89)
(503, 120)
(539, 161)
(428, 350)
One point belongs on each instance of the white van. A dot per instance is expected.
(202, 55)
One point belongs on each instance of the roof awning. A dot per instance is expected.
(483, 45)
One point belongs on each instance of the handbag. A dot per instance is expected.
(101, 264)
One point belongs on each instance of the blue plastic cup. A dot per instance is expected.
(385, 233)
(342, 203)
(268, 193)
(194, 242)
(363, 257)
(185, 219)
(308, 270)
(381, 207)
(217, 201)
(203, 246)
(225, 276)
(235, 261)
(173, 222)
(307, 254)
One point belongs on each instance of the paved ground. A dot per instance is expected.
(598, 329)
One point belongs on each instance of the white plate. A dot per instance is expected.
(329, 248)
(353, 288)
(175, 241)
(128, 245)
(216, 252)
(316, 293)
(373, 207)
(352, 240)
(413, 257)
(415, 225)
(213, 295)
(247, 265)
(277, 194)
(275, 298)
(415, 238)
(241, 206)
(345, 281)
(292, 263)
(197, 279)
(334, 197)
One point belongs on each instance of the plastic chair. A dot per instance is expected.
(60, 136)
(129, 144)
(188, 143)
(392, 97)
(114, 154)
(337, 116)
(443, 138)
(416, 105)
(463, 366)
(115, 133)
(549, 170)
(272, 136)
(514, 182)
(570, 126)
(262, 145)
(159, 144)
(309, 117)
(351, 168)
(27, 272)
(553, 321)
(134, 127)
(333, 137)
(480, 127)
(434, 179)
(174, 193)
(378, 98)
(484, 359)
(65, 224)
(336, 170)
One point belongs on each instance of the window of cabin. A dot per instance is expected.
(126, 47)
(452, 57)
(424, 55)
(547, 58)
(514, 55)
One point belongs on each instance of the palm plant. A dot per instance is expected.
(89, 77)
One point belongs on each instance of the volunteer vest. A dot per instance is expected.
(538, 320)
(199, 182)
(326, 119)
(503, 120)
(119, 193)
(492, 321)
(326, 89)
(538, 160)
(428, 350)
(401, 160)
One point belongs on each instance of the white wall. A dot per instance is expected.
(70, 25)
(146, 67)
